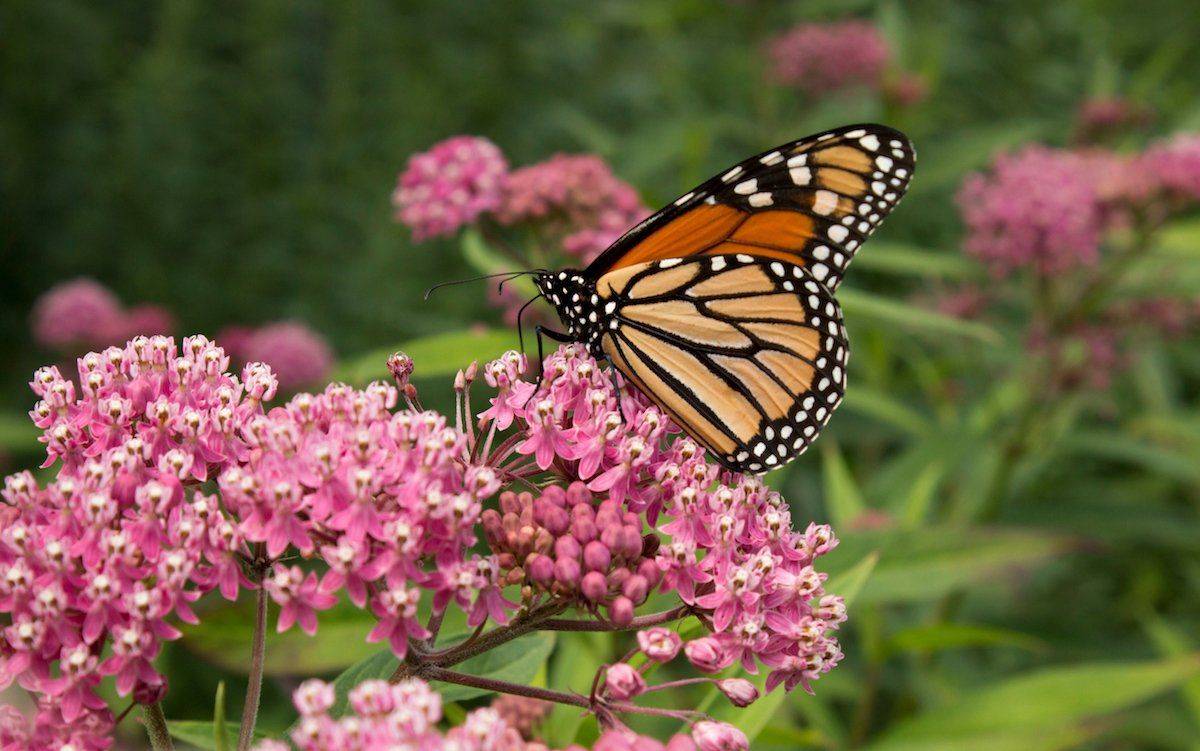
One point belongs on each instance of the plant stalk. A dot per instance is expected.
(156, 727)
(254, 682)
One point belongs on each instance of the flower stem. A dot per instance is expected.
(434, 673)
(644, 621)
(156, 727)
(254, 682)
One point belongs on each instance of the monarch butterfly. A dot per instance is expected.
(720, 307)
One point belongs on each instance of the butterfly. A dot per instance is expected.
(721, 308)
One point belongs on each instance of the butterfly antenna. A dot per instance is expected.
(520, 328)
(507, 274)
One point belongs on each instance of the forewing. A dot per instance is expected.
(811, 202)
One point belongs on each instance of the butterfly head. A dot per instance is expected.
(574, 299)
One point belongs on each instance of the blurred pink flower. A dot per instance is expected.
(905, 89)
(1038, 209)
(145, 320)
(1174, 166)
(821, 58)
(298, 355)
(576, 199)
(449, 186)
(1104, 116)
(78, 312)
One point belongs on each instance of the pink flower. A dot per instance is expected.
(739, 691)
(708, 654)
(622, 681)
(659, 644)
(1174, 165)
(719, 736)
(298, 355)
(298, 596)
(821, 58)
(1037, 209)
(81, 311)
(145, 320)
(449, 186)
(575, 199)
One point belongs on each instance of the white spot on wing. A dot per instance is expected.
(746, 187)
(761, 199)
(824, 202)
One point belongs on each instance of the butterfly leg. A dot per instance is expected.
(557, 336)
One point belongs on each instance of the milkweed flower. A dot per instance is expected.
(575, 199)
(821, 58)
(1174, 166)
(78, 312)
(176, 478)
(449, 186)
(298, 355)
(1036, 209)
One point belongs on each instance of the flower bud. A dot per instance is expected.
(635, 588)
(623, 682)
(400, 366)
(739, 691)
(150, 692)
(659, 644)
(568, 547)
(620, 611)
(596, 556)
(567, 571)
(707, 655)
(540, 568)
(719, 736)
(681, 743)
(594, 586)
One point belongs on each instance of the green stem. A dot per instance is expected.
(156, 727)
(254, 682)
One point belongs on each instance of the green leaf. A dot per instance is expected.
(843, 499)
(1043, 709)
(200, 733)
(518, 661)
(220, 727)
(1173, 642)
(436, 355)
(940, 636)
(849, 583)
(903, 315)
(223, 637)
(1119, 446)
(926, 564)
(876, 405)
(896, 258)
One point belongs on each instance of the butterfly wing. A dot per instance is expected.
(747, 354)
(810, 202)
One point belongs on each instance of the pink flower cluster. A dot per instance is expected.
(298, 355)
(1174, 164)
(85, 313)
(574, 197)
(822, 58)
(450, 186)
(563, 543)
(1047, 209)
(1037, 209)
(406, 715)
(1101, 117)
(94, 566)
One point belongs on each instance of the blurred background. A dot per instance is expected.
(1016, 471)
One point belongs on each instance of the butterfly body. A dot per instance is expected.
(721, 308)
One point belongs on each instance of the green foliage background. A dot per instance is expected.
(233, 161)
